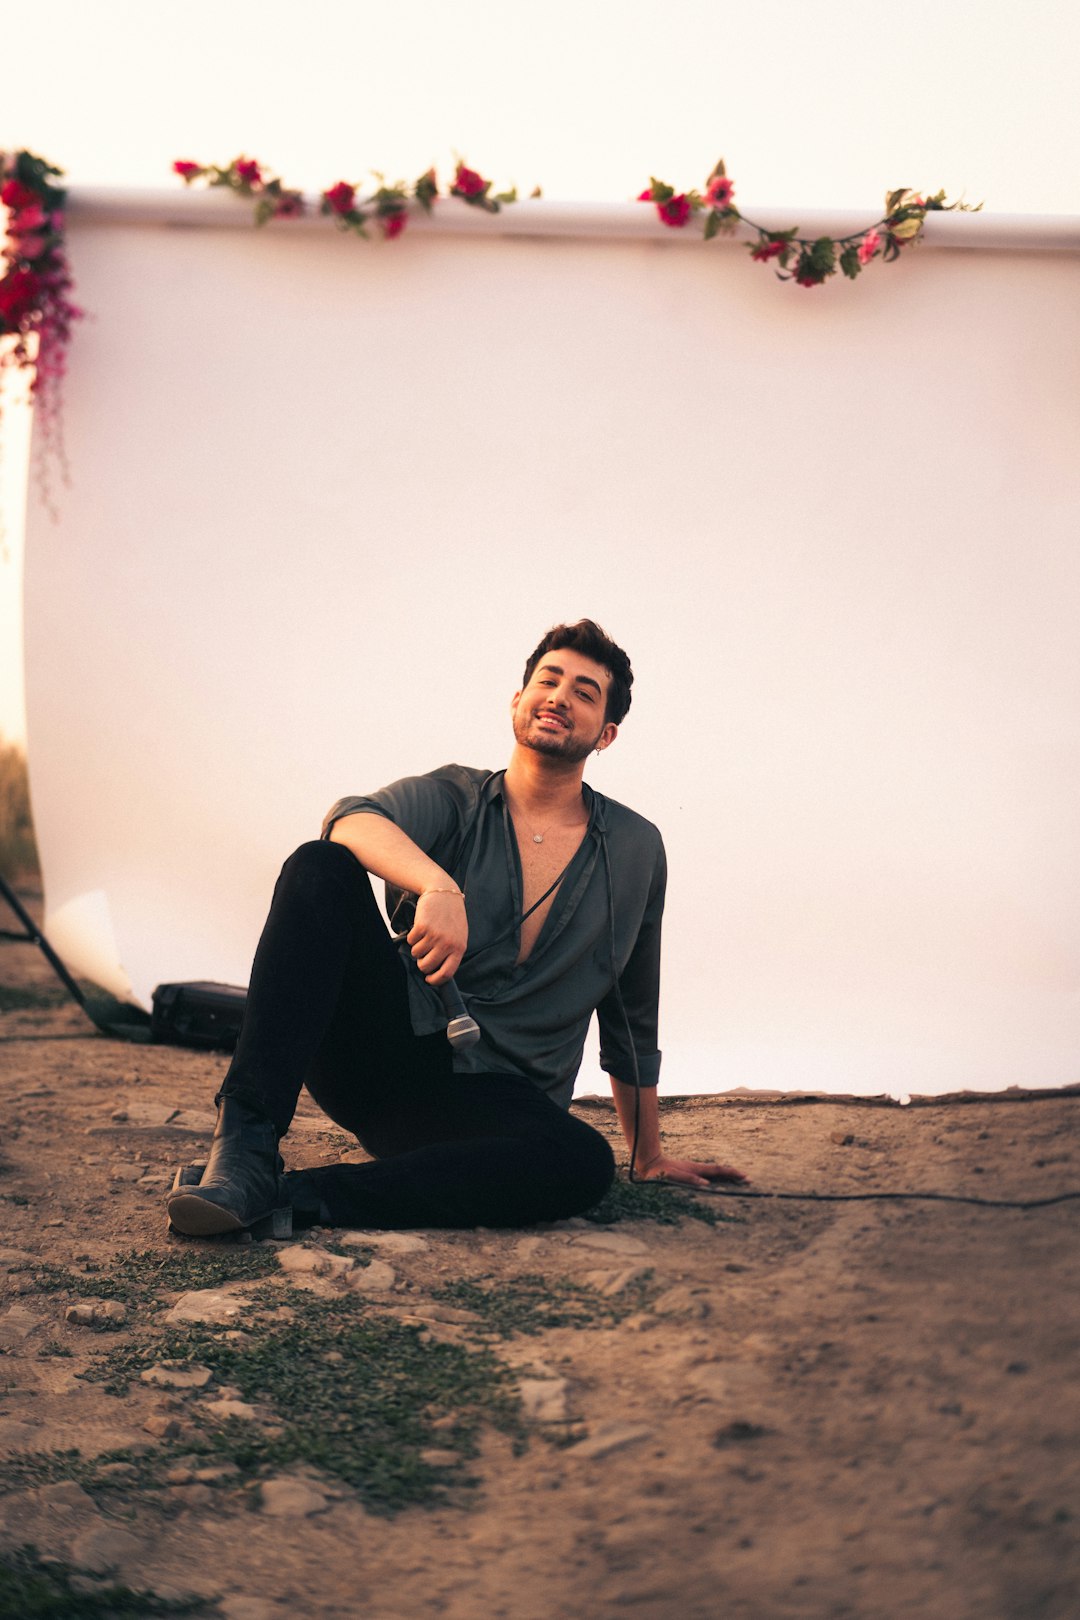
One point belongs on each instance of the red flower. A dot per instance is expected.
(14, 195)
(646, 195)
(248, 171)
(394, 224)
(768, 250)
(290, 205)
(676, 211)
(186, 170)
(808, 281)
(340, 198)
(720, 191)
(18, 296)
(467, 183)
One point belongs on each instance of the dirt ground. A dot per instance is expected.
(795, 1408)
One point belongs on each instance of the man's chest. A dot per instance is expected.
(541, 866)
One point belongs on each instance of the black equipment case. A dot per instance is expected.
(198, 1014)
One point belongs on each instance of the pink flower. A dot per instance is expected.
(394, 224)
(340, 198)
(185, 169)
(467, 183)
(14, 195)
(768, 250)
(31, 247)
(32, 218)
(869, 246)
(248, 171)
(808, 281)
(646, 195)
(720, 191)
(676, 211)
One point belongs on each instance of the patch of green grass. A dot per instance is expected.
(18, 852)
(32, 1590)
(533, 1303)
(16, 998)
(362, 1416)
(26, 1469)
(654, 1201)
(140, 1276)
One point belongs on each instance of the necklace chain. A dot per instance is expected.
(538, 837)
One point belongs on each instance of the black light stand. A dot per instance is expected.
(138, 1030)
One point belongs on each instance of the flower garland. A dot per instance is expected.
(35, 294)
(37, 313)
(816, 258)
(343, 201)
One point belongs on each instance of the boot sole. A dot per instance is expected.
(192, 1216)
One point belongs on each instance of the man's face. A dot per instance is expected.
(560, 712)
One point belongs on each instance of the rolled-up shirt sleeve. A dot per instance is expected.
(639, 987)
(424, 807)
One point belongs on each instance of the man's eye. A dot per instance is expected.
(589, 697)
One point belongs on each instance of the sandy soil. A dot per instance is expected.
(847, 1409)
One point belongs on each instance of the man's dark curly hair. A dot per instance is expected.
(587, 638)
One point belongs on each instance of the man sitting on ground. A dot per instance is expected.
(542, 900)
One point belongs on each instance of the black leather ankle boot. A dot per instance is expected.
(241, 1185)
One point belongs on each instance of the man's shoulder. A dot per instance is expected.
(461, 775)
(620, 819)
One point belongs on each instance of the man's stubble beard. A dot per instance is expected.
(566, 746)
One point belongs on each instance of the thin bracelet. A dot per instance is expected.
(459, 892)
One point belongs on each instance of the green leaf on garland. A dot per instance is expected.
(849, 263)
(823, 256)
(712, 224)
(661, 191)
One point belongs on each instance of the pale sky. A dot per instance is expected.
(812, 105)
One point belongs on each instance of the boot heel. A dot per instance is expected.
(277, 1224)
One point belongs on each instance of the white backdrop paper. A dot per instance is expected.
(326, 496)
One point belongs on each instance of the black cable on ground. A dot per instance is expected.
(856, 1198)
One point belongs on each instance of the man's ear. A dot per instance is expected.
(607, 737)
(514, 701)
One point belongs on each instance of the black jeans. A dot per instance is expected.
(328, 1006)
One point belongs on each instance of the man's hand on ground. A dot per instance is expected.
(439, 935)
(690, 1172)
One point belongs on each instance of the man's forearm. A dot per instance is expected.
(382, 848)
(440, 930)
(648, 1118)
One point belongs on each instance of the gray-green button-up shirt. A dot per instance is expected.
(600, 940)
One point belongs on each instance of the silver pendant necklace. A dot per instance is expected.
(537, 837)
